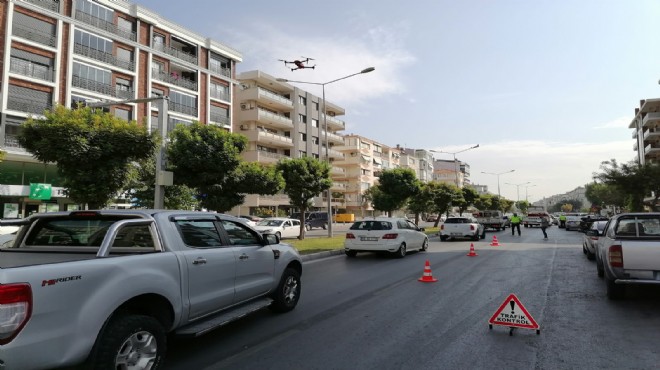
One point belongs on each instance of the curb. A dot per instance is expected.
(319, 255)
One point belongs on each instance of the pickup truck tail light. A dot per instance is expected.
(615, 256)
(350, 236)
(390, 236)
(15, 310)
(471, 227)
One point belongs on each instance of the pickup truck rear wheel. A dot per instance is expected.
(130, 342)
(288, 292)
(615, 291)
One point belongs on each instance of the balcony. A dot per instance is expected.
(267, 117)
(174, 79)
(105, 25)
(176, 52)
(333, 138)
(22, 104)
(652, 134)
(31, 34)
(268, 138)
(266, 97)
(220, 70)
(334, 154)
(11, 141)
(652, 151)
(184, 109)
(102, 88)
(338, 186)
(336, 171)
(651, 119)
(219, 94)
(101, 56)
(220, 119)
(334, 123)
(53, 5)
(634, 134)
(34, 70)
(263, 157)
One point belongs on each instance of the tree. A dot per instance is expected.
(522, 205)
(635, 180)
(421, 203)
(604, 195)
(484, 202)
(207, 158)
(395, 186)
(93, 150)
(141, 188)
(443, 195)
(305, 178)
(467, 199)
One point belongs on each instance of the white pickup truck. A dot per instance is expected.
(493, 219)
(462, 227)
(628, 251)
(102, 289)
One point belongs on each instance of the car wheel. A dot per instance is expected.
(600, 269)
(401, 252)
(615, 291)
(308, 227)
(351, 253)
(130, 342)
(590, 256)
(325, 226)
(475, 237)
(288, 291)
(584, 248)
(279, 235)
(425, 245)
(444, 237)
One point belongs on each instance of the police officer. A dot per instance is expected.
(562, 221)
(515, 224)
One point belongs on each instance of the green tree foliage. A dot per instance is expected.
(635, 180)
(142, 187)
(603, 195)
(395, 186)
(207, 158)
(522, 205)
(484, 202)
(422, 202)
(93, 150)
(467, 198)
(305, 178)
(443, 195)
(506, 205)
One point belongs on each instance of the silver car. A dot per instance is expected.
(590, 240)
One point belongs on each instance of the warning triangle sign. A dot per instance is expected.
(513, 314)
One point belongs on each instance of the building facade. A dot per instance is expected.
(419, 160)
(79, 51)
(281, 120)
(646, 131)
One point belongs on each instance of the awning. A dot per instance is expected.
(378, 161)
(368, 159)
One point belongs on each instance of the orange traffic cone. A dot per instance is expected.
(427, 277)
(472, 252)
(495, 243)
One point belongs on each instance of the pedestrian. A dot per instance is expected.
(545, 223)
(515, 224)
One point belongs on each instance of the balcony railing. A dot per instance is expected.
(223, 71)
(270, 95)
(174, 79)
(102, 88)
(11, 141)
(26, 68)
(337, 122)
(218, 118)
(81, 49)
(217, 94)
(53, 5)
(177, 53)
(23, 104)
(185, 109)
(31, 34)
(105, 25)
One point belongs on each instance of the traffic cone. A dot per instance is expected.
(427, 277)
(495, 243)
(472, 252)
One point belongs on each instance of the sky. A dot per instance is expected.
(546, 88)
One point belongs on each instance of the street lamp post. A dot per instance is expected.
(325, 128)
(518, 188)
(498, 179)
(527, 187)
(455, 162)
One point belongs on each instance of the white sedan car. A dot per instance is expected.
(282, 227)
(385, 234)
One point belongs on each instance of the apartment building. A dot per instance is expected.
(421, 161)
(646, 131)
(79, 51)
(450, 171)
(364, 159)
(281, 120)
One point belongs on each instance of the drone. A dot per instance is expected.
(300, 64)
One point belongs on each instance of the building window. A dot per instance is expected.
(220, 115)
(303, 136)
(157, 92)
(315, 122)
(92, 41)
(316, 106)
(303, 100)
(220, 64)
(302, 154)
(124, 114)
(183, 103)
(302, 118)
(158, 40)
(123, 54)
(95, 10)
(219, 91)
(315, 140)
(124, 24)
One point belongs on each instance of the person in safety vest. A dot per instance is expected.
(515, 224)
(562, 221)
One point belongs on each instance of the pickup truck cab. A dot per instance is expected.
(102, 289)
(628, 252)
(462, 227)
(493, 219)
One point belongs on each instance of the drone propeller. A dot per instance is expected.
(308, 58)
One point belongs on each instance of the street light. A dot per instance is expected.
(325, 127)
(518, 188)
(526, 187)
(498, 179)
(455, 162)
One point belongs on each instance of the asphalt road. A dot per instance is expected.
(371, 312)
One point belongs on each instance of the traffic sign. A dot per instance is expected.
(513, 314)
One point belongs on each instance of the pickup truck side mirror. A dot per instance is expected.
(271, 239)
(592, 233)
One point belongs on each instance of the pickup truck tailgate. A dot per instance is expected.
(641, 255)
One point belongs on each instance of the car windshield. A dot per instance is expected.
(372, 225)
(270, 223)
(458, 221)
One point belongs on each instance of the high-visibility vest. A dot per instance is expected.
(515, 219)
(562, 218)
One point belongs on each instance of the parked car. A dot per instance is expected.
(590, 239)
(280, 226)
(313, 219)
(462, 227)
(251, 220)
(385, 234)
(585, 222)
(628, 252)
(573, 221)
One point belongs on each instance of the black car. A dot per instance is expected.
(587, 221)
